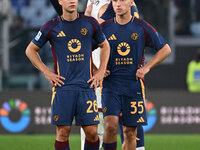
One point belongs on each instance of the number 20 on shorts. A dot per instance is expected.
(92, 105)
(135, 106)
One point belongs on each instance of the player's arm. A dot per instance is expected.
(32, 54)
(89, 8)
(161, 55)
(101, 12)
(100, 73)
(154, 40)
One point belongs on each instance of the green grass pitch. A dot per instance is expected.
(46, 142)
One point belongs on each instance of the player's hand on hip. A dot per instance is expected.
(97, 79)
(53, 78)
(141, 72)
(107, 73)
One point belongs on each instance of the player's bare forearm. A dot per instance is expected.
(161, 55)
(104, 56)
(88, 10)
(32, 54)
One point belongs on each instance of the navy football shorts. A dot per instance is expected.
(68, 104)
(132, 108)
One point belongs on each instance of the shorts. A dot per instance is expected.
(132, 108)
(68, 104)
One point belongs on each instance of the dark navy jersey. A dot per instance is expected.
(127, 43)
(71, 44)
(109, 13)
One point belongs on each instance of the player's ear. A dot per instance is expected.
(60, 2)
(131, 2)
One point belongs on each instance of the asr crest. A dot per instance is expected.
(135, 36)
(56, 118)
(84, 31)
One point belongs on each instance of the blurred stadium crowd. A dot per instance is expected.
(20, 20)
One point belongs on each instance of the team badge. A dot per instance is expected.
(56, 118)
(74, 45)
(104, 110)
(84, 31)
(135, 36)
(123, 49)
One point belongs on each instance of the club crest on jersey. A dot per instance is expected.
(84, 31)
(135, 36)
(74, 45)
(126, 49)
(104, 110)
(56, 118)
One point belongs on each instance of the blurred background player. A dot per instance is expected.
(73, 96)
(193, 74)
(123, 89)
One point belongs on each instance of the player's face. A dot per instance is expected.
(69, 5)
(121, 7)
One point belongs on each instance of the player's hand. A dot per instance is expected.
(88, 10)
(97, 79)
(141, 72)
(54, 78)
(107, 73)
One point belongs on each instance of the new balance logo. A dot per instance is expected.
(113, 37)
(61, 34)
(96, 118)
(140, 120)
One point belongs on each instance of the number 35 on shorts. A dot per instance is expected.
(137, 107)
(92, 106)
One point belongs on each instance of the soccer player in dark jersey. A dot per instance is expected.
(123, 89)
(70, 37)
(107, 12)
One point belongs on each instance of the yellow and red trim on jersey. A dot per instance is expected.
(143, 89)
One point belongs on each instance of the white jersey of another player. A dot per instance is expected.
(97, 4)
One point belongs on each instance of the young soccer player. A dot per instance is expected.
(71, 37)
(123, 89)
(104, 9)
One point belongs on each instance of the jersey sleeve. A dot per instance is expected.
(153, 38)
(109, 13)
(99, 36)
(41, 38)
(134, 11)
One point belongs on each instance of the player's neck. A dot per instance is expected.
(70, 16)
(123, 19)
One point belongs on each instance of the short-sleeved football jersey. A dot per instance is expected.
(71, 44)
(109, 13)
(127, 43)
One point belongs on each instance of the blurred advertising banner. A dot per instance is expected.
(168, 112)
(25, 112)
(173, 112)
